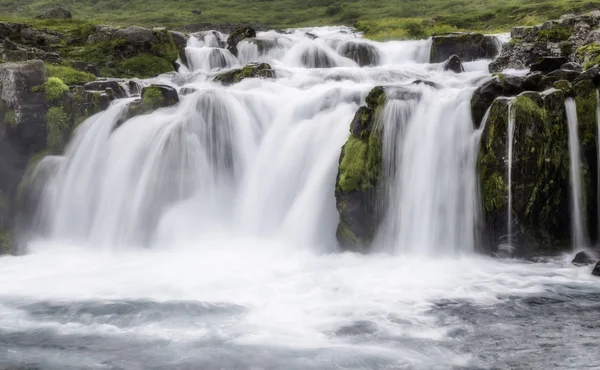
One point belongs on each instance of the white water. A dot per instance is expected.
(598, 145)
(577, 217)
(511, 133)
(226, 202)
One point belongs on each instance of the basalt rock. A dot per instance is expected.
(467, 46)
(237, 36)
(102, 85)
(252, 70)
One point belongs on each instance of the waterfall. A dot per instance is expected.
(577, 218)
(598, 145)
(511, 133)
(432, 199)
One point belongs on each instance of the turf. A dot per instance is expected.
(379, 19)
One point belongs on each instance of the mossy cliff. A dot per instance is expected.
(540, 172)
(358, 176)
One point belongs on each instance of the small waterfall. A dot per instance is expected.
(208, 59)
(434, 193)
(511, 133)
(577, 218)
(598, 145)
(363, 53)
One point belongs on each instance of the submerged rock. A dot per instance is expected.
(454, 64)
(364, 54)
(467, 46)
(583, 258)
(596, 271)
(252, 70)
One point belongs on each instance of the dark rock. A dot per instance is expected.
(484, 95)
(364, 54)
(596, 271)
(55, 12)
(572, 66)
(467, 46)
(548, 64)
(533, 82)
(592, 74)
(583, 258)
(316, 57)
(153, 97)
(252, 70)
(196, 12)
(136, 34)
(454, 64)
(237, 36)
(181, 41)
(311, 36)
(425, 82)
(102, 85)
(558, 75)
(86, 67)
(42, 40)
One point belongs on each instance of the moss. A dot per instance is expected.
(555, 34)
(69, 75)
(564, 86)
(252, 70)
(590, 54)
(526, 110)
(353, 164)
(152, 96)
(5, 242)
(345, 236)
(57, 128)
(143, 66)
(166, 48)
(29, 176)
(10, 118)
(585, 101)
(55, 89)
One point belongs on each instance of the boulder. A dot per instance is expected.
(358, 177)
(572, 66)
(102, 85)
(454, 64)
(559, 75)
(596, 270)
(363, 53)
(56, 12)
(237, 36)
(32, 37)
(548, 64)
(540, 173)
(583, 258)
(467, 46)
(180, 40)
(153, 97)
(136, 34)
(485, 94)
(252, 70)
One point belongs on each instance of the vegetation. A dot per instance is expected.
(55, 89)
(380, 19)
(68, 75)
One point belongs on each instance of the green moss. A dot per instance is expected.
(564, 86)
(496, 190)
(166, 48)
(143, 66)
(591, 53)
(152, 96)
(585, 101)
(555, 34)
(353, 165)
(5, 242)
(57, 128)
(68, 75)
(10, 118)
(347, 237)
(55, 89)
(526, 110)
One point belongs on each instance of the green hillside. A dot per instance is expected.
(378, 18)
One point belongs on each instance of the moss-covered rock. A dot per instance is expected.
(237, 36)
(153, 97)
(467, 46)
(540, 172)
(252, 70)
(358, 175)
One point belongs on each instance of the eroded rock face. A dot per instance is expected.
(571, 39)
(467, 46)
(358, 176)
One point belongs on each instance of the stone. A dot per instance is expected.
(237, 36)
(596, 270)
(454, 64)
(86, 67)
(153, 97)
(363, 53)
(42, 40)
(572, 66)
(102, 85)
(252, 70)
(583, 258)
(56, 12)
(467, 46)
(551, 78)
(548, 64)
(136, 34)
(180, 40)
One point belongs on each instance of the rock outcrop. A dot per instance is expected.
(467, 46)
(573, 38)
(153, 97)
(358, 176)
(454, 64)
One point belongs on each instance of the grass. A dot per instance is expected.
(379, 19)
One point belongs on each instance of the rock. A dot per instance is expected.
(102, 85)
(596, 271)
(56, 12)
(484, 95)
(572, 66)
(180, 40)
(358, 176)
(33, 37)
(187, 91)
(154, 97)
(591, 74)
(548, 64)
(364, 54)
(467, 46)
(237, 36)
(533, 82)
(86, 67)
(583, 258)
(540, 172)
(560, 74)
(136, 34)
(454, 64)
(252, 70)
(425, 82)
(102, 33)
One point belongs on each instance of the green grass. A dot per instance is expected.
(380, 19)
(68, 75)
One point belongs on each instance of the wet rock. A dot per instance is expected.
(33, 37)
(572, 66)
(364, 54)
(154, 97)
(237, 36)
(533, 82)
(180, 40)
(187, 91)
(56, 12)
(596, 271)
(252, 70)
(583, 258)
(425, 82)
(559, 75)
(548, 64)
(591, 74)
(102, 85)
(454, 64)
(102, 33)
(467, 46)
(484, 95)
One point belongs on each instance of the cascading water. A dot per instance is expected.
(598, 144)
(577, 218)
(233, 190)
(511, 133)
